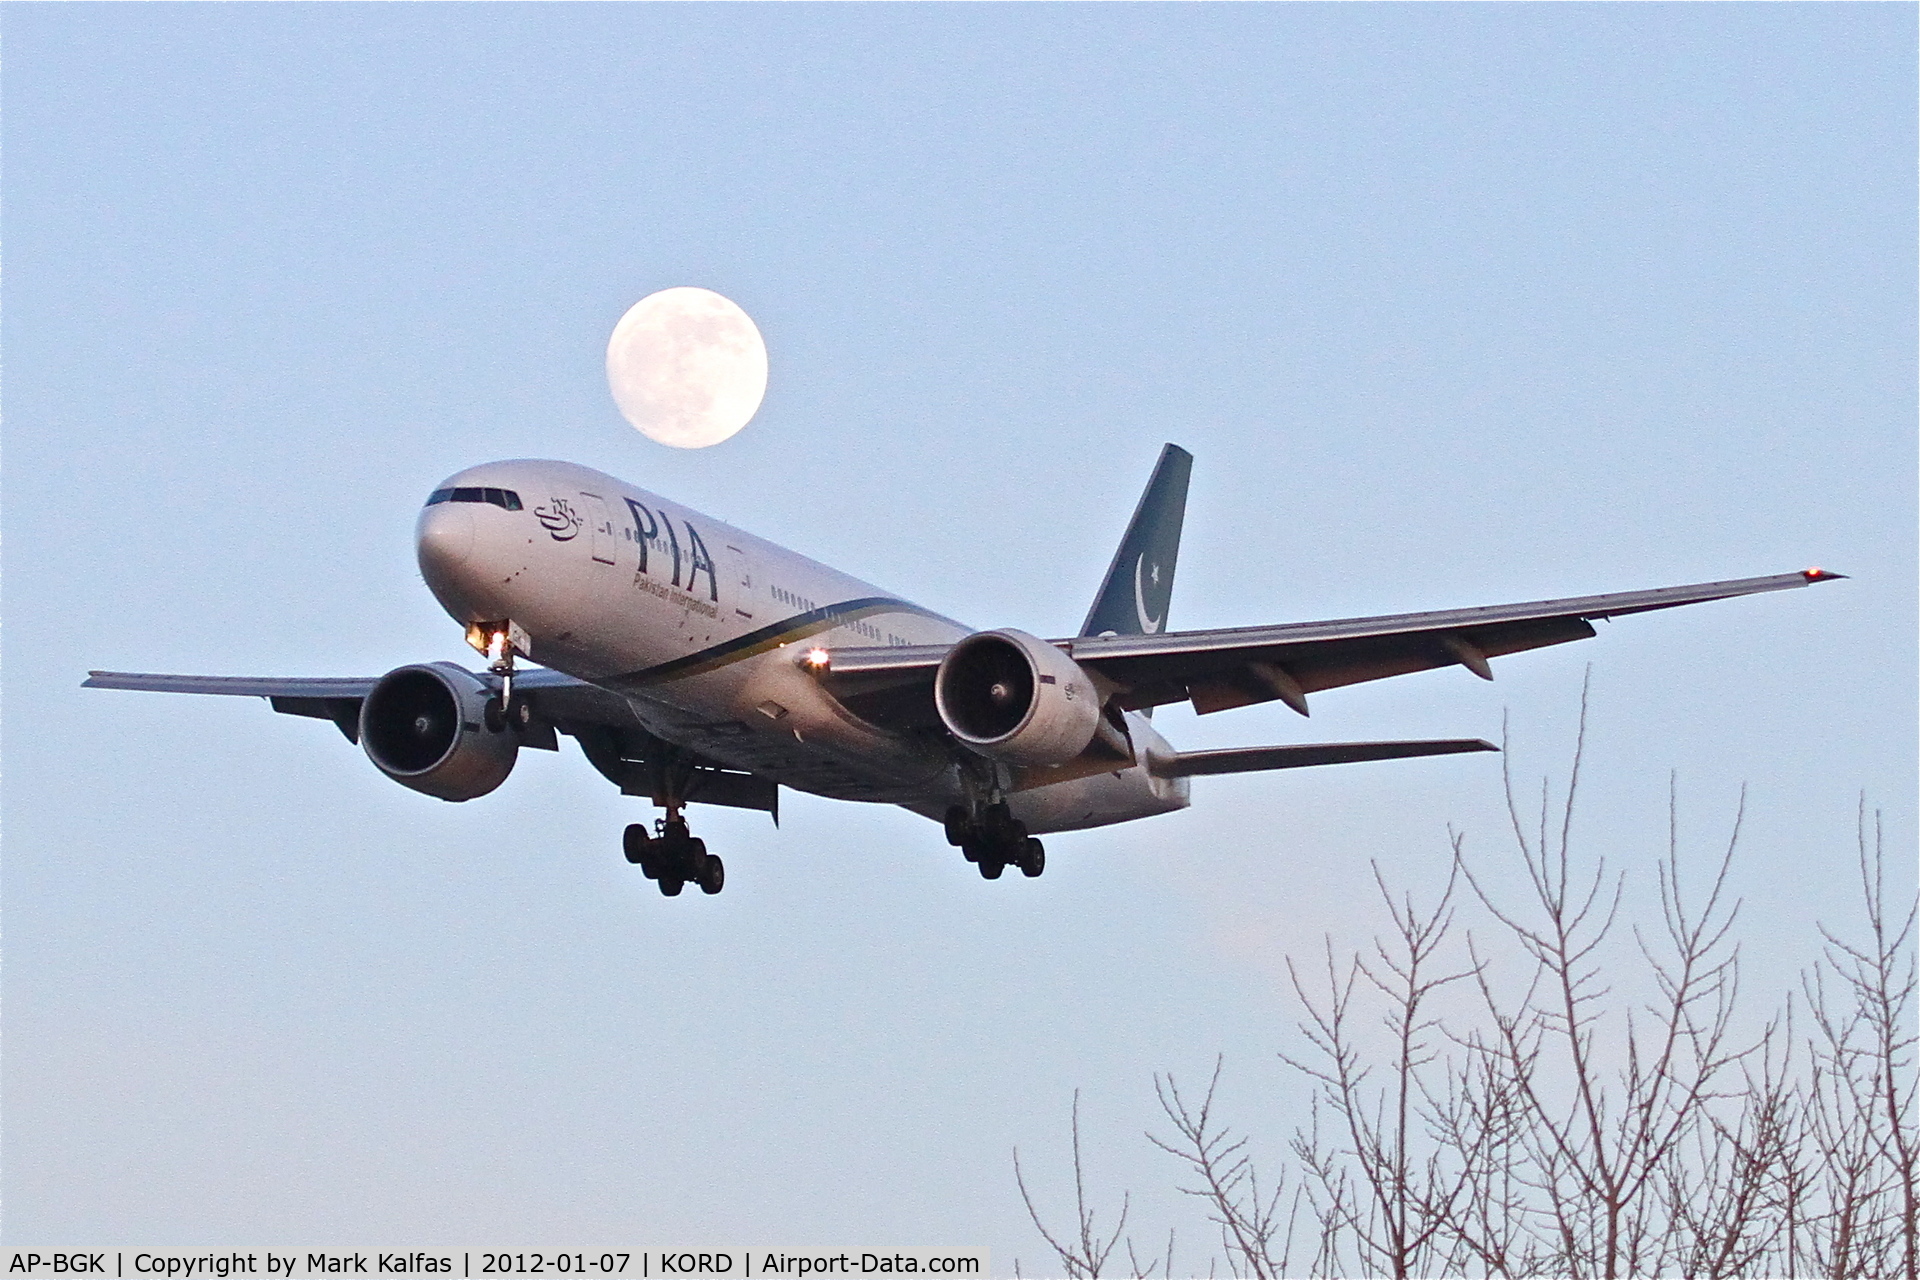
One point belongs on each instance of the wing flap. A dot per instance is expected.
(1263, 675)
(641, 764)
(344, 712)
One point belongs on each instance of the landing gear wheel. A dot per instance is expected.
(1033, 858)
(635, 844)
(990, 868)
(958, 827)
(713, 874)
(671, 886)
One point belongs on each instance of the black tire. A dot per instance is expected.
(971, 850)
(1033, 858)
(990, 868)
(1003, 831)
(958, 828)
(635, 844)
(671, 887)
(713, 874)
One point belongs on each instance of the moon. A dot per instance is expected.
(687, 367)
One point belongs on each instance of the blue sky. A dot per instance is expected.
(1453, 304)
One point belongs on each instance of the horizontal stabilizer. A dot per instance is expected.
(1187, 764)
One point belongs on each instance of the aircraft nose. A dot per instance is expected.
(443, 540)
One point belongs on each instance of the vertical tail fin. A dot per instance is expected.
(1139, 584)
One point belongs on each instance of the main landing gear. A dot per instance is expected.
(995, 842)
(672, 857)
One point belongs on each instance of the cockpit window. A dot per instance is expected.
(505, 499)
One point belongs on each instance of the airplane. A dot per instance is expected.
(695, 663)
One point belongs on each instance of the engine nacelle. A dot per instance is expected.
(437, 728)
(1015, 698)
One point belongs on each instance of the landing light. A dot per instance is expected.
(497, 640)
(817, 658)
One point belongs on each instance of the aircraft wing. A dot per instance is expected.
(1238, 666)
(560, 699)
(613, 738)
(335, 698)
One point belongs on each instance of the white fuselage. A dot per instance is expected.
(702, 628)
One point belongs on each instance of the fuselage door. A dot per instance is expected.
(602, 523)
(740, 566)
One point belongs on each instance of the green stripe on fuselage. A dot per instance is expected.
(762, 639)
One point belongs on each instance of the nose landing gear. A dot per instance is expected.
(500, 641)
(673, 856)
(995, 842)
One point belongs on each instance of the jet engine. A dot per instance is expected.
(1014, 698)
(437, 728)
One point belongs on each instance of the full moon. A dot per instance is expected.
(687, 367)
